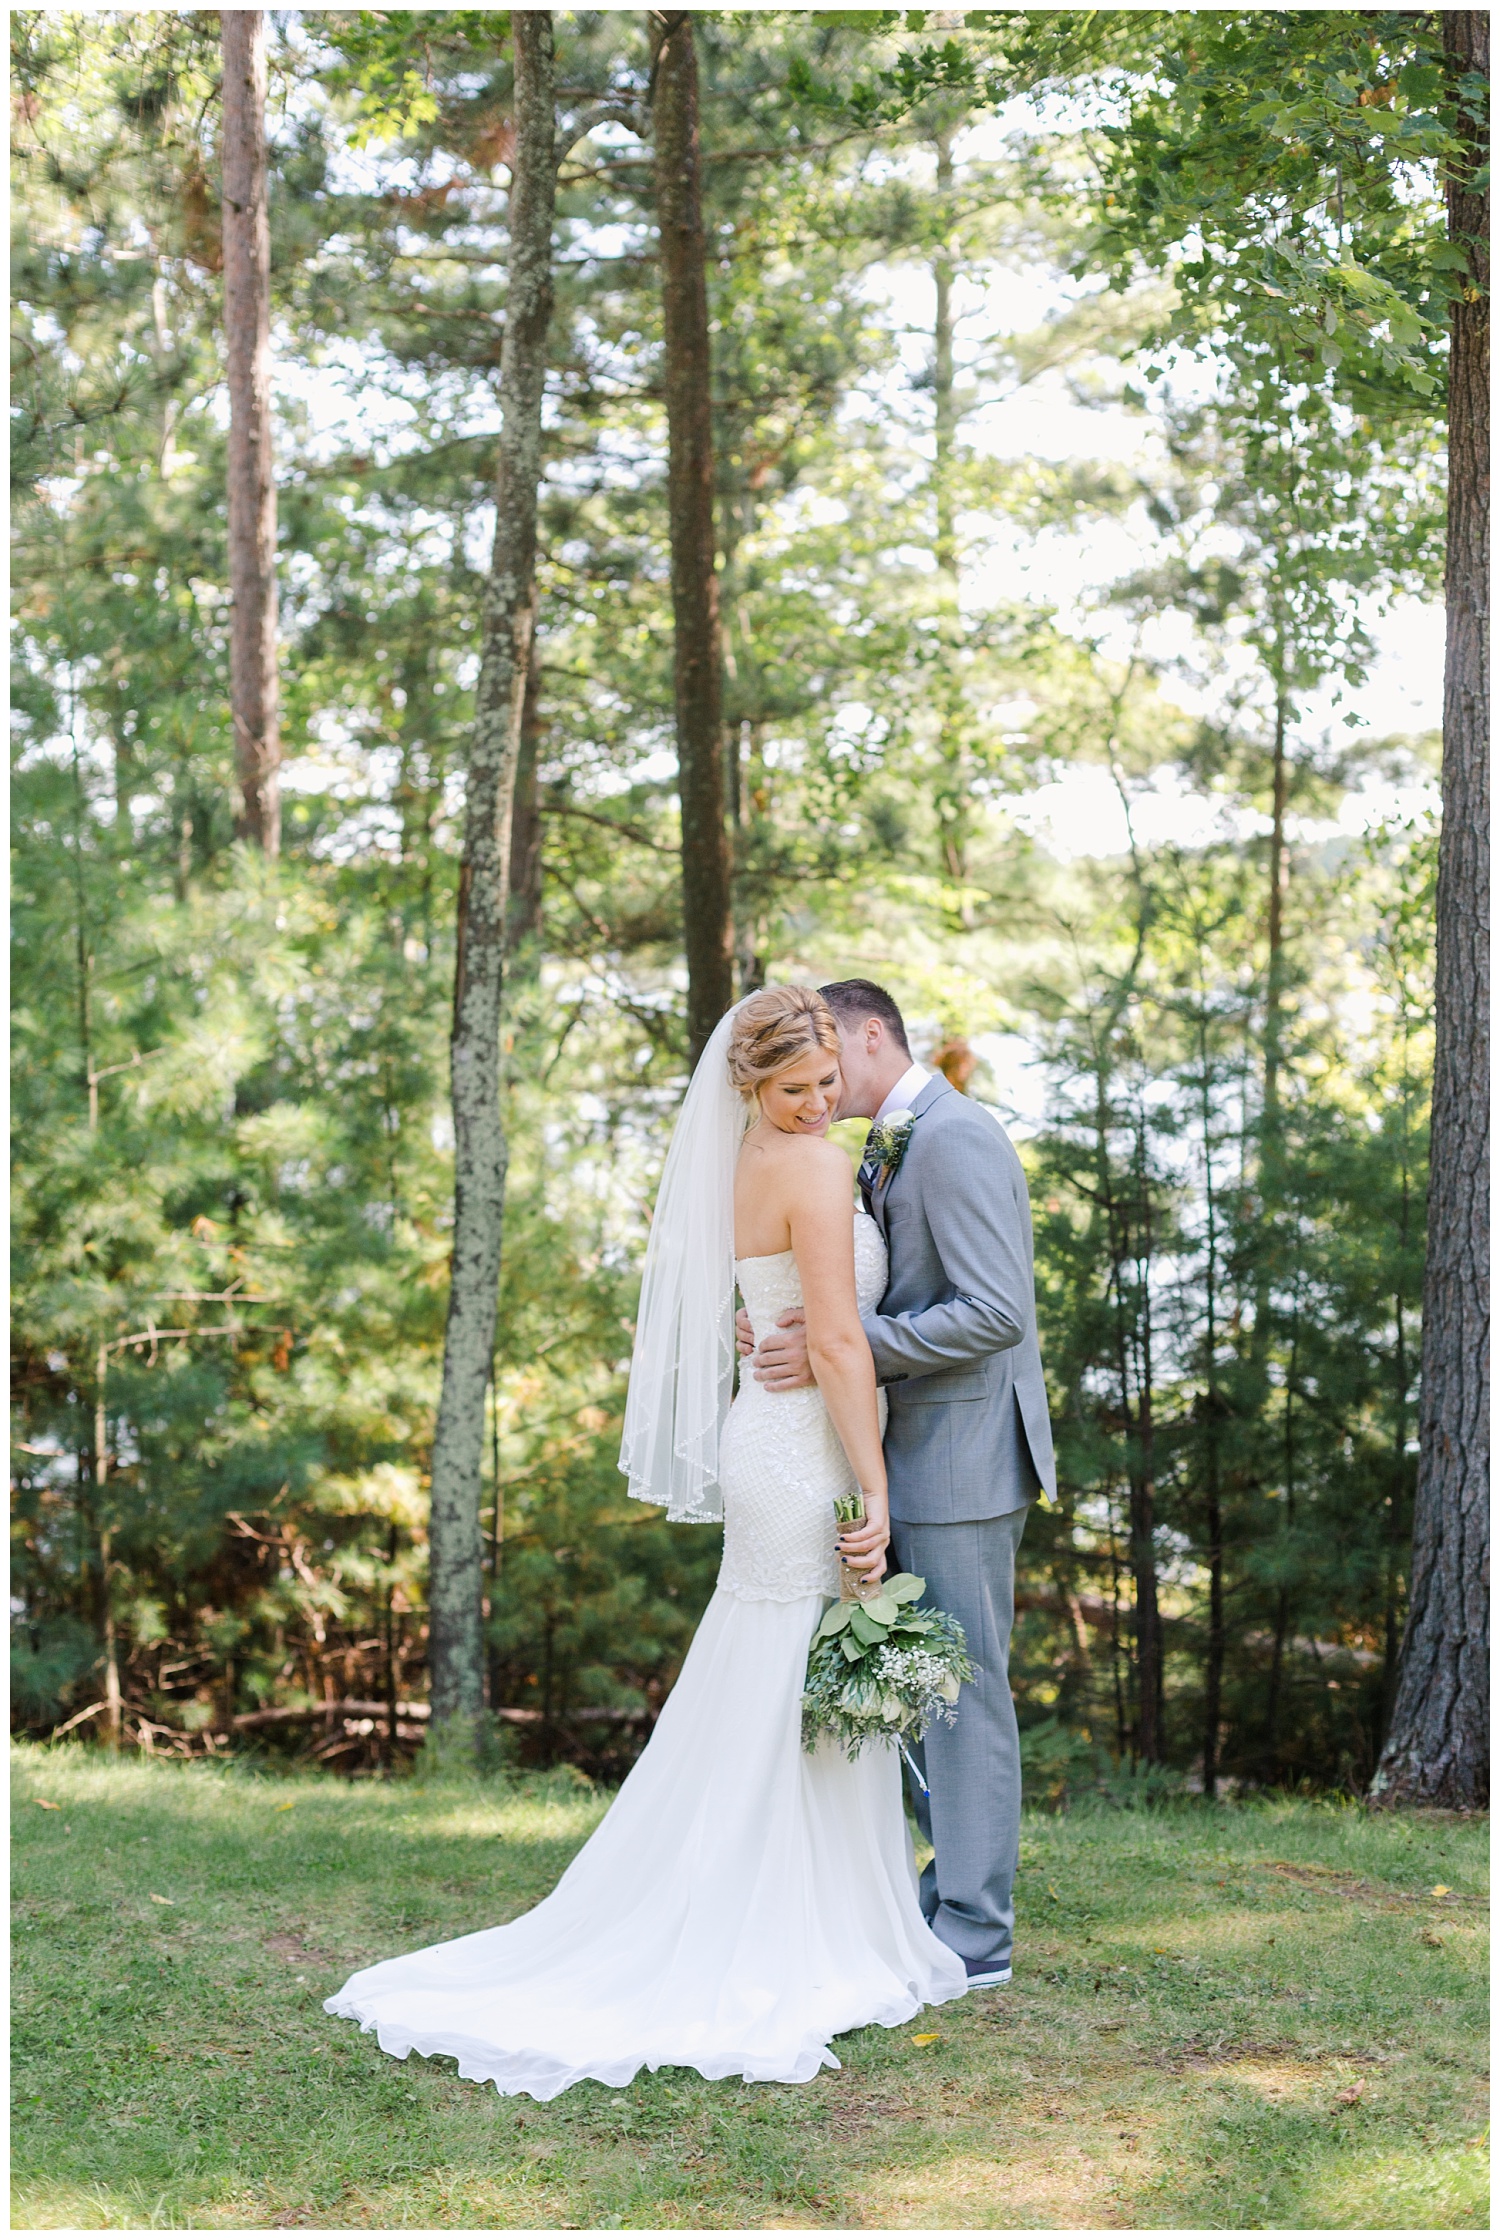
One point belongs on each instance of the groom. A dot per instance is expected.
(968, 1445)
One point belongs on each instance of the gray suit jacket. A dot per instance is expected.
(954, 1337)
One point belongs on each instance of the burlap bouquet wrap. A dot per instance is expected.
(854, 1586)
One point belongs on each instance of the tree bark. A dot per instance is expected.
(954, 785)
(456, 1583)
(113, 1722)
(1437, 1749)
(523, 915)
(1213, 1518)
(392, 1677)
(253, 699)
(1129, 1233)
(706, 868)
(1150, 1663)
(1276, 930)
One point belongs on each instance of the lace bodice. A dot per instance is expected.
(781, 1463)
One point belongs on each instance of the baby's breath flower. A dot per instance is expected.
(896, 1687)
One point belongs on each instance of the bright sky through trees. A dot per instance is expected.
(1043, 725)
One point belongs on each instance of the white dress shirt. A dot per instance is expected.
(905, 1093)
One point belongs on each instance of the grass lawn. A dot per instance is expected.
(1244, 2016)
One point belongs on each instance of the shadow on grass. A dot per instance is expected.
(1195, 2037)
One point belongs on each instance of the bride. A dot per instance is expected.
(742, 1902)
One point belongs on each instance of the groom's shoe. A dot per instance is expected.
(985, 1977)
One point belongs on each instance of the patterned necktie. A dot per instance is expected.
(869, 1175)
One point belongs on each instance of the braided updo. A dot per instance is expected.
(772, 1029)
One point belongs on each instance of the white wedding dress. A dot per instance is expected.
(742, 1901)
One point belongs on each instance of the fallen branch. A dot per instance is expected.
(289, 1715)
(359, 1731)
(76, 1720)
(595, 1715)
(408, 1716)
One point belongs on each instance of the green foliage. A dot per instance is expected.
(232, 1164)
(1272, 158)
(1249, 1332)
(882, 1668)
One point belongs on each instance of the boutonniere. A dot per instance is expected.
(887, 1141)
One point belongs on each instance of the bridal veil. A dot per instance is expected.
(682, 1368)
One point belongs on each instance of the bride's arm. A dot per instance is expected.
(819, 1215)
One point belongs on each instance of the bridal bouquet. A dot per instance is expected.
(883, 1666)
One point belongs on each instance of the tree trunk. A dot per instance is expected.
(392, 1678)
(737, 518)
(497, 1547)
(83, 955)
(1150, 1678)
(523, 914)
(1148, 1656)
(113, 1722)
(1398, 1501)
(707, 930)
(1213, 1518)
(1276, 932)
(456, 1587)
(944, 413)
(1132, 1334)
(1437, 1750)
(1271, 1761)
(955, 776)
(1115, 1652)
(252, 477)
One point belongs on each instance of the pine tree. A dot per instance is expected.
(1437, 1750)
(253, 693)
(687, 375)
(509, 623)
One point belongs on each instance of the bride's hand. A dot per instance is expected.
(863, 1546)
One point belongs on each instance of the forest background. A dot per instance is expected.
(233, 1199)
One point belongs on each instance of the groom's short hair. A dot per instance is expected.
(850, 1001)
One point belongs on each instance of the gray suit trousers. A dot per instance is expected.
(973, 1816)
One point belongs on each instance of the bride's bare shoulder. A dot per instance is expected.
(818, 1170)
(805, 1162)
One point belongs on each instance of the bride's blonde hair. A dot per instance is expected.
(771, 1031)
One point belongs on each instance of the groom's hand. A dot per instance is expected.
(781, 1363)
